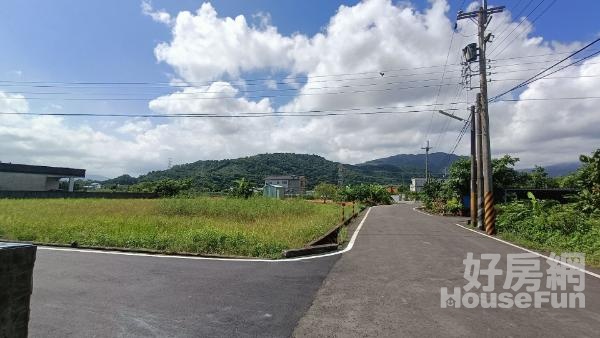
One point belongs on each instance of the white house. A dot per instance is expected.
(417, 184)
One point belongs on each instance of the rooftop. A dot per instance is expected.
(40, 169)
(283, 177)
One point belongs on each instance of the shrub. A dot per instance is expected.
(369, 194)
(453, 206)
(242, 189)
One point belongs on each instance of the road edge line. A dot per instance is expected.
(422, 212)
(531, 251)
(283, 260)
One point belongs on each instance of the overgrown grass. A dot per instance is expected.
(547, 226)
(256, 227)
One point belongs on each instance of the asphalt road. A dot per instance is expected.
(101, 295)
(389, 284)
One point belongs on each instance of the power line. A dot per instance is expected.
(221, 97)
(182, 96)
(244, 82)
(283, 89)
(535, 77)
(549, 78)
(516, 16)
(550, 99)
(240, 82)
(531, 24)
(308, 113)
(268, 89)
(244, 91)
(437, 95)
(517, 26)
(209, 115)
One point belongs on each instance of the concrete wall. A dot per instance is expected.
(19, 181)
(52, 183)
(16, 285)
(28, 182)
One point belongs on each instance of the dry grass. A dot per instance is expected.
(255, 227)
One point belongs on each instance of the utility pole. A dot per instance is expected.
(427, 148)
(482, 16)
(473, 200)
(480, 224)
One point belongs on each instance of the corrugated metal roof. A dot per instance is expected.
(39, 169)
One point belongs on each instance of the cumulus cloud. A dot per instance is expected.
(205, 47)
(212, 54)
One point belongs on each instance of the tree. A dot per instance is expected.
(370, 194)
(166, 187)
(459, 178)
(504, 174)
(242, 188)
(538, 178)
(325, 191)
(588, 182)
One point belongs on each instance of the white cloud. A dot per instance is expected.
(212, 53)
(205, 47)
(135, 127)
(158, 16)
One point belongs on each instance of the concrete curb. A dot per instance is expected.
(324, 243)
(313, 250)
(132, 250)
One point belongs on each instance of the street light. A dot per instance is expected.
(451, 115)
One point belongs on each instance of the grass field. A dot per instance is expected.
(255, 227)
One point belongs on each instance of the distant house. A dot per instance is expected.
(417, 184)
(93, 186)
(292, 184)
(273, 191)
(23, 177)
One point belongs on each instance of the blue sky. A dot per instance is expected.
(112, 40)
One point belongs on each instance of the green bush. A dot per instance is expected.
(242, 189)
(453, 206)
(166, 187)
(548, 226)
(369, 194)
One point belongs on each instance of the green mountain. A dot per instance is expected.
(416, 162)
(215, 175)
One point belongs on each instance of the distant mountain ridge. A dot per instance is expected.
(438, 161)
(213, 175)
(560, 169)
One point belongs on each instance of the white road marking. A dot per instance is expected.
(519, 247)
(421, 212)
(283, 260)
(530, 251)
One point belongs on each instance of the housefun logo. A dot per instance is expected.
(564, 282)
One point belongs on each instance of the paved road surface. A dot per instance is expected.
(389, 286)
(101, 295)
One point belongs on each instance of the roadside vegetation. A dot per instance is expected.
(366, 194)
(544, 225)
(255, 226)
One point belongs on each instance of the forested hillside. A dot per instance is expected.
(216, 175)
